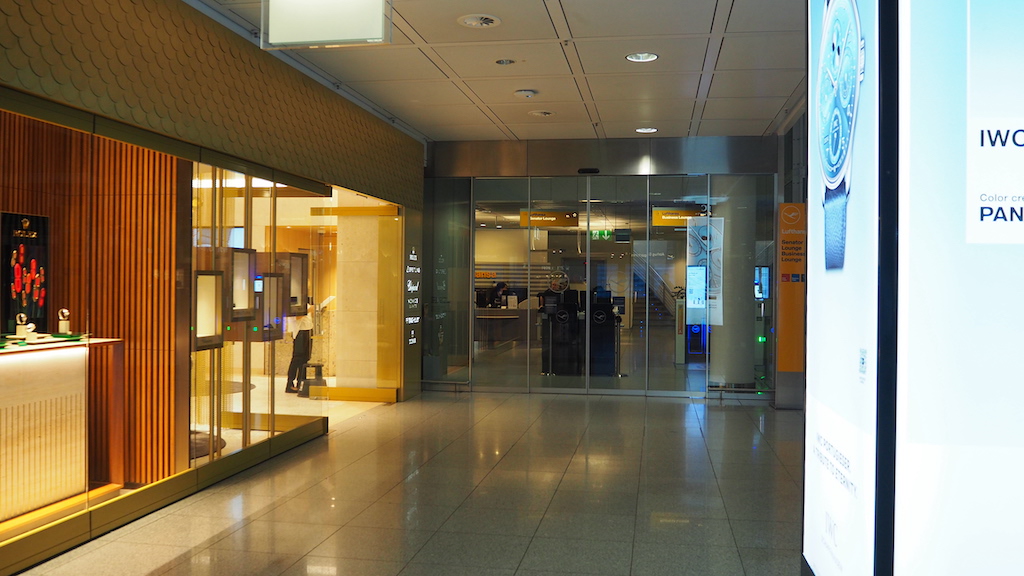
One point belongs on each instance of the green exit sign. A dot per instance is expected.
(601, 234)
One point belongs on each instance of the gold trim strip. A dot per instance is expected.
(355, 394)
(388, 210)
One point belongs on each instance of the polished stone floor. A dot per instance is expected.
(489, 484)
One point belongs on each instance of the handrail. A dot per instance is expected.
(656, 284)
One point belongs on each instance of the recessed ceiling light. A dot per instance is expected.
(646, 130)
(525, 93)
(504, 62)
(541, 113)
(642, 57)
(478, 21)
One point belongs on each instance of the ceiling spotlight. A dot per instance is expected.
(541, 113)
(504, 62)
(646, 130)
(525, 93)
(478, 21)
(642, 57)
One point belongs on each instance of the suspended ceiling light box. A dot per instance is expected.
(324, 23)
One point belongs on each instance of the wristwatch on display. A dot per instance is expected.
(840, 72)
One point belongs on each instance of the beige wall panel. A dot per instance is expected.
(162, 66)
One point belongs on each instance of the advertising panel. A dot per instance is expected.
(24, 240)
(958, 448)
(842, 277)
(704, 249)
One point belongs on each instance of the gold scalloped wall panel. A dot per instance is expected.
(162, 66)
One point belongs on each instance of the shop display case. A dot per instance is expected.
(242, 273)
(298, 284)
(209, 312)
(270, 303)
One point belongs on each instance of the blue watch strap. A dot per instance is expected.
(835, 226)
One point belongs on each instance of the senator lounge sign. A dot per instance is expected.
(548, 218)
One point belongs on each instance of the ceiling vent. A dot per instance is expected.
(478, 21)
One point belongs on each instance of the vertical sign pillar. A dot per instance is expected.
(791, 304)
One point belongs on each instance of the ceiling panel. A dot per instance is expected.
(592, 18)
(609, 56)
(645, 110)
(250, 13)
(760, 16)
(763, 51)
(644, 86)
(734, 63)
(436, 20)
(393, 94)
(762, 83)
(443, 115)
(666, 129)
(732, 127)
(565, 112)
(533, 59)
(553, 131)
(742, 108)
(458, 133)
(373, 64)
(501, 90)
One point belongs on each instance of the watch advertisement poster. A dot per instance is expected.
(959, 450)
(842, 288)
(25, 260)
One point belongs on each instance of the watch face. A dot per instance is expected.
(839, 75)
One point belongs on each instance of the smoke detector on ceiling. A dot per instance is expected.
(525, 93)
(478, 21)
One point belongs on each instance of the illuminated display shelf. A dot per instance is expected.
(44, 402)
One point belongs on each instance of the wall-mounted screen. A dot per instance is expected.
(762, 282)
(696, 294)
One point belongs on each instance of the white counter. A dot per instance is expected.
(43, 426)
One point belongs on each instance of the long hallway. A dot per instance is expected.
(494, 484)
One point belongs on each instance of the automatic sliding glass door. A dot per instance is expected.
(628, 284)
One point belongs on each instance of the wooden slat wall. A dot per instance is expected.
(106, 410)
(132, 292)
(112, 221)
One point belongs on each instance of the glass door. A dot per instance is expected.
(560, 282)
(680, 257)
(628, 284)
(619, 325)
(502, 315)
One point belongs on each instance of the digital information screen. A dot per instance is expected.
(958, 443)
(842, 288)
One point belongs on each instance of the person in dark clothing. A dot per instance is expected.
(495, 294)
(302, 348)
